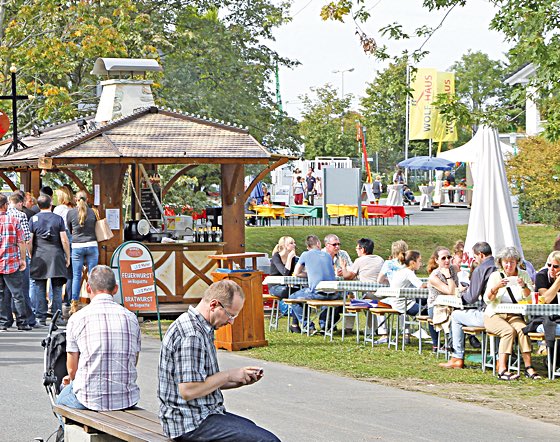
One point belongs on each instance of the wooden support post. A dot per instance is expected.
(35, 183)
(110, 180)
(233, 207)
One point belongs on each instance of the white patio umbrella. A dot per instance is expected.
(491, 217)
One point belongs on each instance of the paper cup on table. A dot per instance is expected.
(535, 298)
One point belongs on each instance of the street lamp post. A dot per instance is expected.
(341, 72)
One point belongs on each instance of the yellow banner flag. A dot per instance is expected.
(421, 120)
(444, 130)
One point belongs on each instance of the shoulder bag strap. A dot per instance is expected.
(513, 300)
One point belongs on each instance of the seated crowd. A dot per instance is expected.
(504, 279)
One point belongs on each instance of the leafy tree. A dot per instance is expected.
(54, 44)
(531, 27)
(328, 127)
(537, 181)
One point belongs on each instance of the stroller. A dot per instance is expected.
(54, 364)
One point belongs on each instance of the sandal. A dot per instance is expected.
(535, 376)
(507, 376)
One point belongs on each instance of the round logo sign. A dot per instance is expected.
(4, 124)
(134, 252)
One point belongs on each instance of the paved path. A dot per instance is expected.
(297, 404)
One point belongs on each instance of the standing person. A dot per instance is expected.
(45, 190)
(317, 266)
(310, 182)
(15, 211)
(191, 404)
(81, 225)
(398, 177)
(509, 284)
(28, 202)
(377, 187)
(299, 191)
(103, 344)
(12, 264)
(50, 258)
(450, 179)
(471, 317)
(65, 199)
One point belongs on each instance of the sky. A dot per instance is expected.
(323, 47)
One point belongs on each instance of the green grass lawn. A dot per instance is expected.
(536, 241)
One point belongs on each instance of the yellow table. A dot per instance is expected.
(336, 210)
(270, 211)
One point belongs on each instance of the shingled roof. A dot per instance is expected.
(151, 134)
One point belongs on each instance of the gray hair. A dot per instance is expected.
(330, 237)
(102, 279)
(223, 291)
(507, 253)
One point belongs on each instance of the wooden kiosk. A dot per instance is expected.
(124, 138)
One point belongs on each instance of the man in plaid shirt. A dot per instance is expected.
(12, 264)
(190, 381)
(15, 211)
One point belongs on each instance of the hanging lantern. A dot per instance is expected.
(4, 123)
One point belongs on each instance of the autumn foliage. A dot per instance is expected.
(534, 174)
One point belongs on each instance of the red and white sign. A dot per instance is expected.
(137, 277)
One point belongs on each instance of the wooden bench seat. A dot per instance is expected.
(133, 425)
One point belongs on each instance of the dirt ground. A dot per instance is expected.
(528, 401)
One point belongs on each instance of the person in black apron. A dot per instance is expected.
(50, 258)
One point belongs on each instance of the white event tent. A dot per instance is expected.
(491, 218)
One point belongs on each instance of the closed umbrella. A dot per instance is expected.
(491, 219)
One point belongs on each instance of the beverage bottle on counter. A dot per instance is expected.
(198, 235)
(218, 235)
(205, 235)
(214, 235)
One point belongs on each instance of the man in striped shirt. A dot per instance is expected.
(103, 343)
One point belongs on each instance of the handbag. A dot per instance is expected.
(102, 230)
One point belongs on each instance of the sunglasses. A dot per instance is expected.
(554, 266)
(334, 244)
(446, 257)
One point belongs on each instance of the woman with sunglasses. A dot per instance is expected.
(509, 284)
(443, 281)
(547, 283)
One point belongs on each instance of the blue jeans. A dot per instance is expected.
(68, 398)
(12, 283)
(460, 319)
(540, 329)
(307, 293)
(39, 296)
(432, 330)
(228, 427)
(282, 292)
(87, 255)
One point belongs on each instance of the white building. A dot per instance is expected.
(523, 76)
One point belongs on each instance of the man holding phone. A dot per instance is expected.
(190, 381)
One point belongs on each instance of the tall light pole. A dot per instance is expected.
(341, 72)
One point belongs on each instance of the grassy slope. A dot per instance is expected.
(537, 241)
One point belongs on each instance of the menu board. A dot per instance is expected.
(149, 202)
